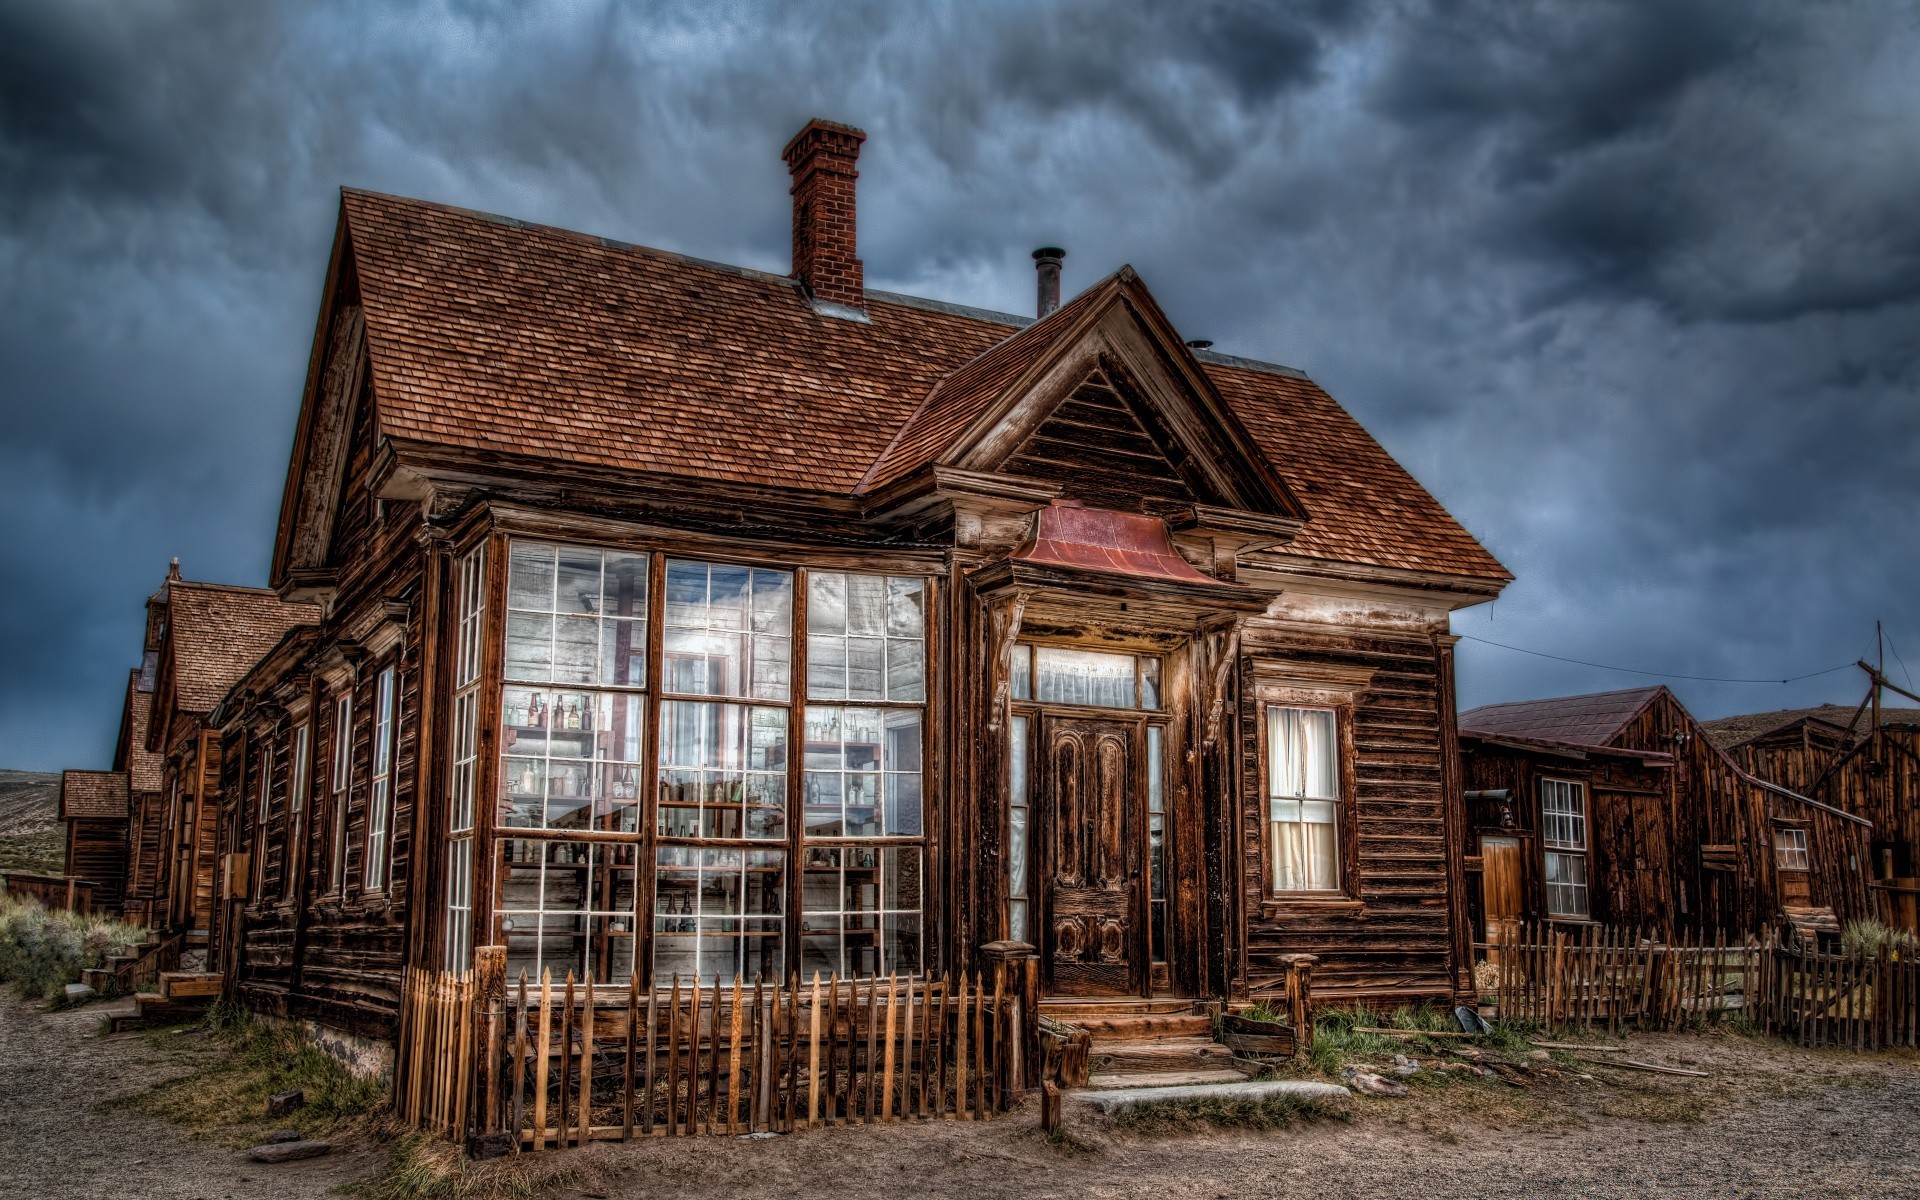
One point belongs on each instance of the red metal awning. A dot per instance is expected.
(1100, 539)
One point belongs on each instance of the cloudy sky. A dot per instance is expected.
(1633, 288)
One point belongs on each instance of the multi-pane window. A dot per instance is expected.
(373, 872)
(862, 895)
(470, 606)
(1303, 799)
(1093, 678)
(296, 810)
(720, 869)
(263, 784)
(342, 784)
(1790, 849)
(1563, 837)
(573, 719)
(1160, 926)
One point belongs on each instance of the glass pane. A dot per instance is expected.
(906, 670)
(530, 577)
(862, 772)
(866, 668)
(577, 586)
(826, 604)
(1084, 677)
(1150, 683)
(623, 652)
(1301, 752)
(1023, 673)
(1017, 761)
(906, 609)
(826, 667)
(576, 650)
(624, 585)
(1017, 852)
(686, 595)
(1017, 920)
(866, 605)
(709, 649)
(529, 646)
(727, 597)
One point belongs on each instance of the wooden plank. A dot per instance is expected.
(646, 1078)
(960, 1108)
(541, 1058)
(626, 1075)
(892, 1023)
(587, 1031)
(813, 1056)
(520, 1064)
(673, 1058)
(733, 1060)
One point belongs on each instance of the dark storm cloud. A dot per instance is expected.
(1635, 289)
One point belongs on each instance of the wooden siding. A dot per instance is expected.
(1396, 941)
(97, 853)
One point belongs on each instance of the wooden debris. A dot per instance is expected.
(1655, 1068)
(279, 1152)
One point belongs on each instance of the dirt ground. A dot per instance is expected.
(1768, 1121)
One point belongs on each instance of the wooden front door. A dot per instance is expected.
(1499, 882)
(1091, 919)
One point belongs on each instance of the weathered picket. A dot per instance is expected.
(1595, 977)
(548, 1063)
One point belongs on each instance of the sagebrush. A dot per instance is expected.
(42, 951)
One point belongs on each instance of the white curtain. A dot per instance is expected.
(1303, 790)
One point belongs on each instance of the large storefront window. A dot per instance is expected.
(469, 611)
(573, 721)
(862, 896)
(618, 764)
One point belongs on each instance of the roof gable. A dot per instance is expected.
(1595, 719)
(214, 635)
(93, 795)
(1101, 395)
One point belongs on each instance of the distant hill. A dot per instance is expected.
(31, 835)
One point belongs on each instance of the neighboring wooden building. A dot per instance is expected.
(1618, 808)
(146, 796)
(94, 806)
(1837, 755)
(680, 619)
(205, 636)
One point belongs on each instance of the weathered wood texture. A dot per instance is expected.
(558, 1063)
(97, 853)
(1608, 978)
(1388, 934)
(1877, 777)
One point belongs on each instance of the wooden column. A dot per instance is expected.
(1016, 975)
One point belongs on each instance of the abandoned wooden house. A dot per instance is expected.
(94, 806)
(640, 618)
(1847, 758)
(203, 637)
(146, 794)
(1618, 808)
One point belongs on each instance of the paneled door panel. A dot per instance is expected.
(1090, 801)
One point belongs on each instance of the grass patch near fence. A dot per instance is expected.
(1338, 1039)
(42, 853)
(1226, 1112)
(252, 1060)
(42, 951)
(423, 1167)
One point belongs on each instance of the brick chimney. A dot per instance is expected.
(820, 158)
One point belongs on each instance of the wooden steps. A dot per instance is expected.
(183, 995)
(1165, 1041)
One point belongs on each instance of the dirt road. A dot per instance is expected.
(1769, 1122)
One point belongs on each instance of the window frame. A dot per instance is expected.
(1283, 683)
(1343, 838)
(1803, 849)
(1551, 848)
(299, 785)
(263, 769)
(376, 862)
(340, 790)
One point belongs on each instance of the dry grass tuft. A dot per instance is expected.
(423, 1167)
(1231, 1112)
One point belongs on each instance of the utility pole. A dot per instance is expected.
(1879, 673)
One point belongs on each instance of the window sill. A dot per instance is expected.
(1312, 903)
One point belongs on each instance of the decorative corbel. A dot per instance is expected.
(1005, 615)
(1221, 640)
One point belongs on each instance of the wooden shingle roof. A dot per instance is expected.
(489, 334)
(1840, 718)
(217, 632)
(95, 795)
(143, 766)
(1590, 720)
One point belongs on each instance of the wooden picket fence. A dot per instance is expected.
(1856, 1002)
(435, 1063)
(553, 1063)
(1596, 978)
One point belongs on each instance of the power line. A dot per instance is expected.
(1658, 674)
(1898, 659)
